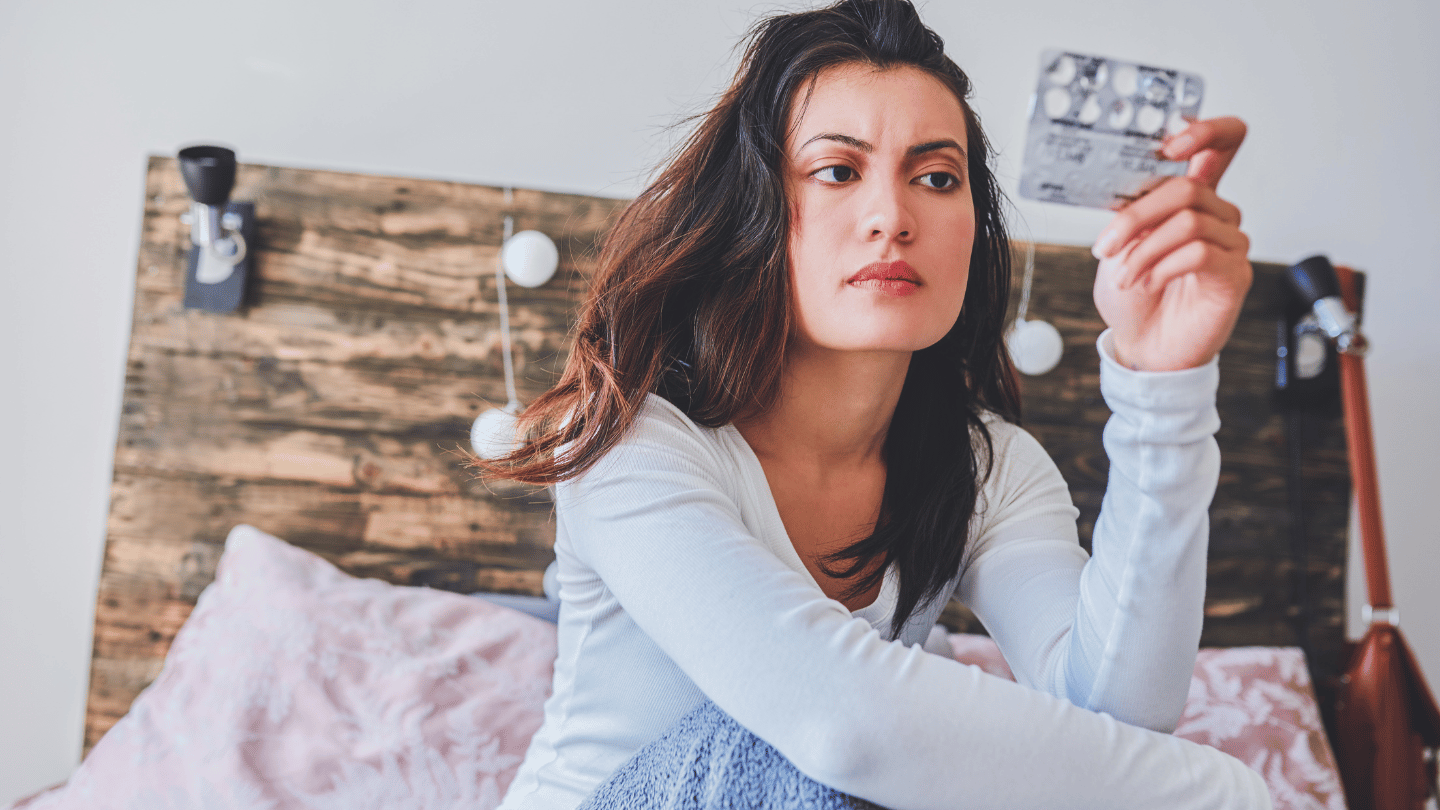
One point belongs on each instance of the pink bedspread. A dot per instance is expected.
(294, 685)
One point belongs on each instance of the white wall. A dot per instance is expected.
(575, 96)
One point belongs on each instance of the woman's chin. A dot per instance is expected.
(879, 341)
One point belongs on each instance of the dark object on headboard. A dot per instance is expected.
(333, 410)
(221, 232)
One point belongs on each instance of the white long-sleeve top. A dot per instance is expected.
(678, 581)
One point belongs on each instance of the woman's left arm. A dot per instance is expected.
(1115, 632)
(1118, 633)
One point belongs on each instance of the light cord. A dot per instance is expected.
(513, 406)
(1024, 285)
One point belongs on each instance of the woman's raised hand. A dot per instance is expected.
(1173, 264)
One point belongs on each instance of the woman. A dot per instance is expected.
(786, 437)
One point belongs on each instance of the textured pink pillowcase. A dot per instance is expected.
(295, 685)
(1257, 704)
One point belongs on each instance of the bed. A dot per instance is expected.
(330, 416)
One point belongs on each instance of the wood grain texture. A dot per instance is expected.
(333, 410)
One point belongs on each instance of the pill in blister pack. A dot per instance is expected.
(1096, 125)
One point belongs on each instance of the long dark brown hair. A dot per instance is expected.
(692, 302)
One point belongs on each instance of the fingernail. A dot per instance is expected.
(1179, 145)
(1103, 244)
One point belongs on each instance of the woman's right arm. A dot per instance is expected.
(659, 524)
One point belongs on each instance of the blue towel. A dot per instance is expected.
(707, 761)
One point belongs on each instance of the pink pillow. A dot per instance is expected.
(293, 684)
(1254, 703)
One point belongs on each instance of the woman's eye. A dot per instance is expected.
(835, 174)
(940, 180)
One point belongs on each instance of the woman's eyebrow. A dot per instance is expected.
(863, 146)
(868, 148)
(931, 146)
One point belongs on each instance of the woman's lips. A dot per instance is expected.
(891, 278)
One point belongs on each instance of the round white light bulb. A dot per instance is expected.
(551, 581)
(529, 258)
(1309, 355)
(493, 433)
(1035, 346)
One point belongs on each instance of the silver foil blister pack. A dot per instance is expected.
(1096, 126)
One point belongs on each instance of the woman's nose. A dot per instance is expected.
(887, 213)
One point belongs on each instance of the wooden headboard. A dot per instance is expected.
(331, 411)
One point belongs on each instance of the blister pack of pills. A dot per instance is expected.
(1096, 125)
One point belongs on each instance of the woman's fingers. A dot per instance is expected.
(1229, 267)
(1148, 212)
(1209, 145)
(1182, 228)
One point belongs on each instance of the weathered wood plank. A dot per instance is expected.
(238, 402)
(295, 330)
(179, 510)
(346, 239)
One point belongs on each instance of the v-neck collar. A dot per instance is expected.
(879, 612)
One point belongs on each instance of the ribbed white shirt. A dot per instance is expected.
(677, 581)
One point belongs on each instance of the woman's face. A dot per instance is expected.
(882, 216)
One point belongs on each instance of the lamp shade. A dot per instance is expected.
(551, 581)
(529, 258)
